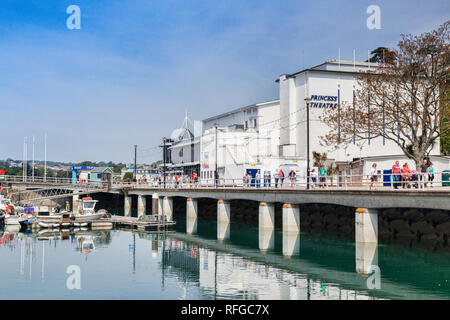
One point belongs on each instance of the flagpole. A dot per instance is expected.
(45, 157)
(32, 169)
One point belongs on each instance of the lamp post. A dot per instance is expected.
(164, 161)
(216, 175)
(308, 101)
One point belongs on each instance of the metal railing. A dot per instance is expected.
(410, 181)
(37, 180)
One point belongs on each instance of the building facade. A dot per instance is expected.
(272, 135)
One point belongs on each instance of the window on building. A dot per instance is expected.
(246, 124)
(254, 123)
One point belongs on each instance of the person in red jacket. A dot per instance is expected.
(405, 175)
(396, 171)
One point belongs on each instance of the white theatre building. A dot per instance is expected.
(272, 135)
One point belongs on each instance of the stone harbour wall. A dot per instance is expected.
(407, 227)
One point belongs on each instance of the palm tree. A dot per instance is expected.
(319, 159)
(332, 170)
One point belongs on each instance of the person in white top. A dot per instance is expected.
(373, 175)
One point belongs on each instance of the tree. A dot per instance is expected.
(62, 174)
(319, 159)
(404, 100)
(128, 176)
(382, 55)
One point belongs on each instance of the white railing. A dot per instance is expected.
(29, 179)
(411, 181)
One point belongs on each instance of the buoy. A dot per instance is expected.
(10, 209)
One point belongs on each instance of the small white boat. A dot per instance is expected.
(12, 220)
(86, 212)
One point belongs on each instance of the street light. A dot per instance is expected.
(215, 171)
(307, 101)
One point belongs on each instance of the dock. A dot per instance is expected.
(152, 222)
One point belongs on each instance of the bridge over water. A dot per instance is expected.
(367, 202)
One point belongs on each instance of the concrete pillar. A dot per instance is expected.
(266, 227)
(266, 216)
(75, 203)
(127, 206)
(168, 208)
(366, 225)
(155, 204)
(141, 205)
(191, 216)
(291, 218)
(366, 257)
(223, 220)
(291, 244)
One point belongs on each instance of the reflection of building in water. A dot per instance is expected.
(222, 275)
(183, 257)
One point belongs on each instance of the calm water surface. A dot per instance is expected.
(121, 264)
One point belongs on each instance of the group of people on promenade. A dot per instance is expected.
(404, 176)
(401, 176)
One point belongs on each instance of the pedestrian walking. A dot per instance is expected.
(431, 174)
(373, 175)
(322, 176)
(313, 177)
(406, 176)
(423, 172)
(276, 177)
(281, 177)
(396, 171)
(258, 178)
(292, 176)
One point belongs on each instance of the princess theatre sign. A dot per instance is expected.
(324, 101)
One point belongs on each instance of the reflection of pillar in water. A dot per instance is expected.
(291, 243)
(266, 239)
(127, 206)
(366, 255)
(223, 230)
(142, 202)
(223, 220)
(154, 248)
(191, 216)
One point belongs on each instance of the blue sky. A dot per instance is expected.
(128, 75)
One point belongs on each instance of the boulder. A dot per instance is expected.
(399, 225)
(413, 215)
(429, 237)
(438, 216)
(443, 228)
(330, 219)
(392, 214)
(422, 227)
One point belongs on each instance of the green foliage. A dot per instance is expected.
(128, 176)
(332, 169)
(319, 159)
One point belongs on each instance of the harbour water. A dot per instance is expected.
(121, 264)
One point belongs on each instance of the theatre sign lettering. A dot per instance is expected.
(318, 101)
